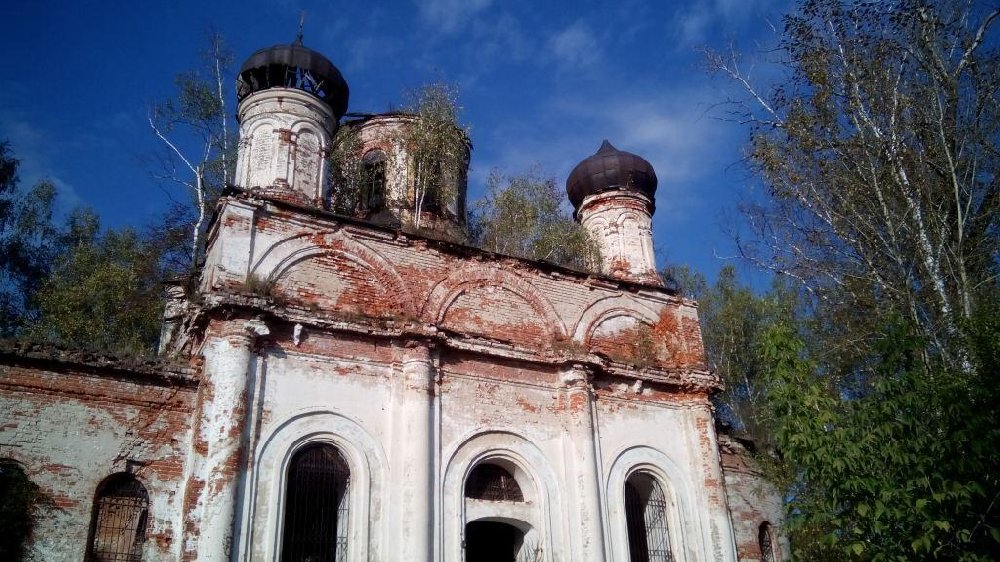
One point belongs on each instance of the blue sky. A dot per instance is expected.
(542, 83)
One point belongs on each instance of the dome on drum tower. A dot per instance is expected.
(294, 66)
(291, 99)
(613, 196)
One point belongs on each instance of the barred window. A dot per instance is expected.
(118, 527)
(646, 516)
(316, 506)
(494, 483)
(373, 180)
(766, 543)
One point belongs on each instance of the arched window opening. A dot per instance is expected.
(766, 543)
(18, 498)
(496, 541)
(118, 527)
(316, 506)
(493, 483)
(646, 515)
(373, 180)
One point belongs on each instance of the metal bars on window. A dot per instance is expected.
(373, 181)
(316, 506)
(118, 529)
(493, 483)
(647, 520)
(766, 543)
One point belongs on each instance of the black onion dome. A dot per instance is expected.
(608, 169)
(294, 66)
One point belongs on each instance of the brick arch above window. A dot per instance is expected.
(449, 289)
(277, 259)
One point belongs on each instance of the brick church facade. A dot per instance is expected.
(339, 389)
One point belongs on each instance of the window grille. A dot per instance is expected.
(118, 529)
(316, 506)
(494, 483)
(646, 517)
(373, 180)
(766, 543)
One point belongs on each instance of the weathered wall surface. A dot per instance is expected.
(672, 434)
(387, 133)
(418, 359)
(622, 225)
(70, 426)
(285, 139)
(346, 271)
(350, 391)
(753, 501)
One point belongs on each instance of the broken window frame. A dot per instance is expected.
(373, 180)
(766, 542)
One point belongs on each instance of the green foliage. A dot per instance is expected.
(19, 499)
(906, 471)
(347, 172)
(104, 293)
(879, 154)
(684, 280)
(353, 181)
(523, 216)
(437, 144)
(28, 242)
(880, 158)
(734, 320)
(197, 101)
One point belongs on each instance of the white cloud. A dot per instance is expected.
(576, 46)
(698, 22)
(449, 16)
(30, 147)
(669, 128)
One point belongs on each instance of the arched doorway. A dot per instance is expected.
(500, 515)
(492, 541)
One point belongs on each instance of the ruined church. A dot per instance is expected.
(349, 389)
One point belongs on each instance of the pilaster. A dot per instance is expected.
(412, 462)
(217, 443)
(585, 477)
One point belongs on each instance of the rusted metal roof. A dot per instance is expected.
(294, 66)
(609, 169)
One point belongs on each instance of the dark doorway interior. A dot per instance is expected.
(492, 541)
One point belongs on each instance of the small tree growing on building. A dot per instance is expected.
(437, 144)
(524, 216)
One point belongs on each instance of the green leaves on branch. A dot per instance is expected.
(879, 154)
(734, 320)
(906, 471)
(103, 293)
(523, 216)
(437, 145)
(29, 240)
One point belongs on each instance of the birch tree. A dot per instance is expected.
(198, 146)
(879, 156)
(437, 144)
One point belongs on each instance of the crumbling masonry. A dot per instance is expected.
(342, 389)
